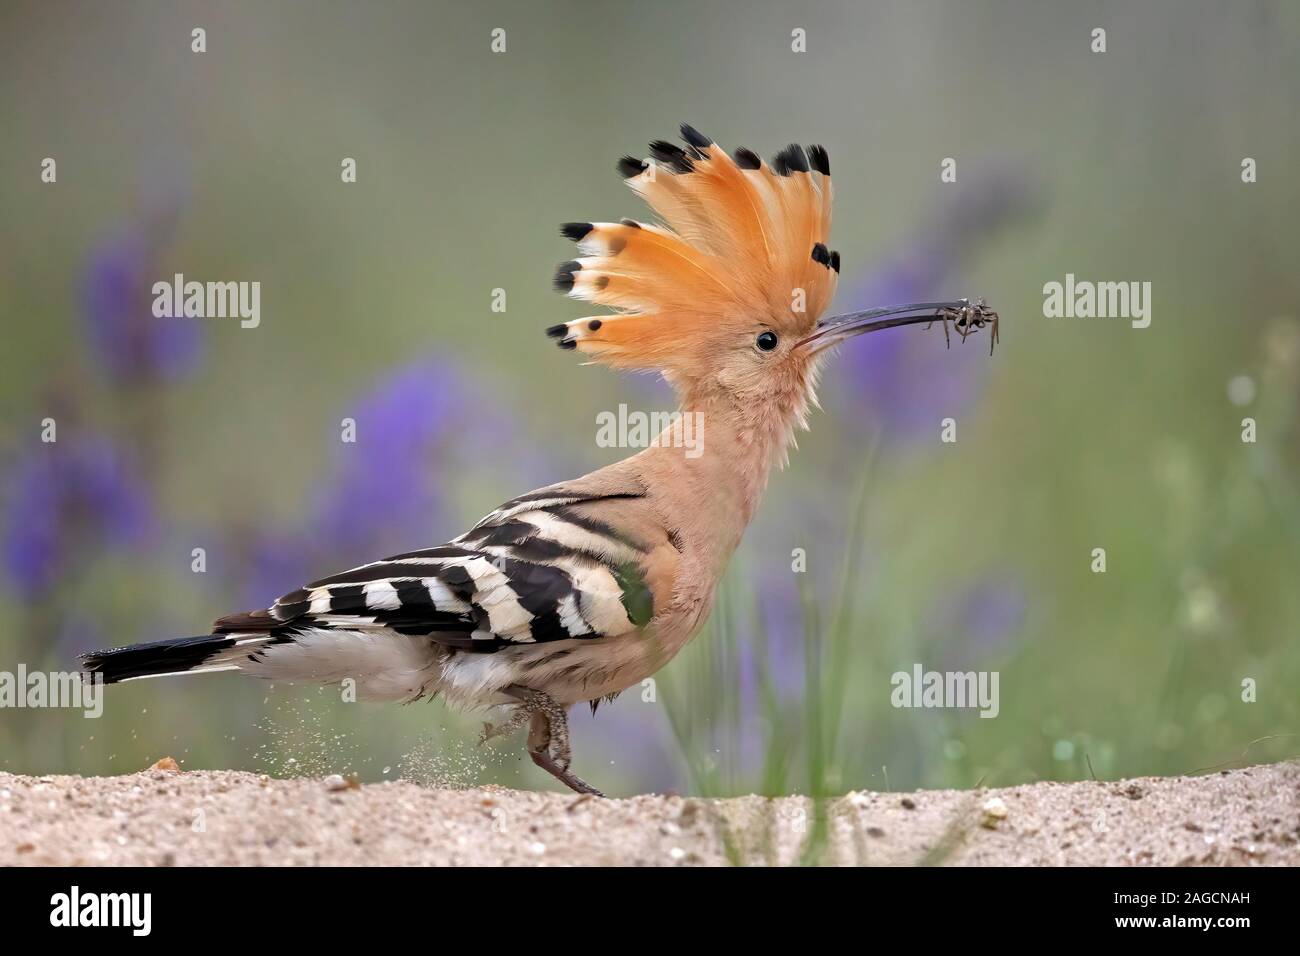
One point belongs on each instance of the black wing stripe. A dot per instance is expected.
(442, 551)
(511, 532)
(414, 597)
(540, 562)
(388, 568)
(459, 581)
(540, 588)
(554, 497)
(349, 599)
(567, 514)
(287, 612)
(537, 550)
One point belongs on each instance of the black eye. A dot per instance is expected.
(766, 340)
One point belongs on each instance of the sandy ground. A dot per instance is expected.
(158, 817)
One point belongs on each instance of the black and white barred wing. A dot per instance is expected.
(529, 572)
(549, 566)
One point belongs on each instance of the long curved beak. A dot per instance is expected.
(963, 313)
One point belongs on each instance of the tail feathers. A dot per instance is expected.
(183, 655)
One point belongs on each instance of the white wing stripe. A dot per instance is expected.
(576, 538)
(506, 616)
(442, 597)
(601, 598)
(320, 601)
(570, 616)
(382, 596)
(501, 514)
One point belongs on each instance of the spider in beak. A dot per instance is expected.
(965, 315)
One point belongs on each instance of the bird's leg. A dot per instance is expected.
(517, 720)
(548, 736)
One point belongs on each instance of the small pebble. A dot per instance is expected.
(994, 811)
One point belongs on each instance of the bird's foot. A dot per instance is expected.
(548, 736)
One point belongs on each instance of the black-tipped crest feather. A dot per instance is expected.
(792, 159)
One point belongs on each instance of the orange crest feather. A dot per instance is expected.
(742, 247)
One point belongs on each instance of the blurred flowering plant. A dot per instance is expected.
(904, 384)
(127, 342)
(84, 494)
(69, 500)
(416, 428)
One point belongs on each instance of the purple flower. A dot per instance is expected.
(978, 624)
(66, 500)
(127, 340)
(417, 431)
(904, 384)
(386, 479)
(280, 560)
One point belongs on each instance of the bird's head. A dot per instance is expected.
(725, 297)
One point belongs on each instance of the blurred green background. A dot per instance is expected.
(376, 305)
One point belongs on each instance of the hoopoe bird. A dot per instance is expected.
(579, 590)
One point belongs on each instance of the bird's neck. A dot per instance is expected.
(710, 469)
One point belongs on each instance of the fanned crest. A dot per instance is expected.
(740, 243)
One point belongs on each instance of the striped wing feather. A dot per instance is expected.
(540, 568)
